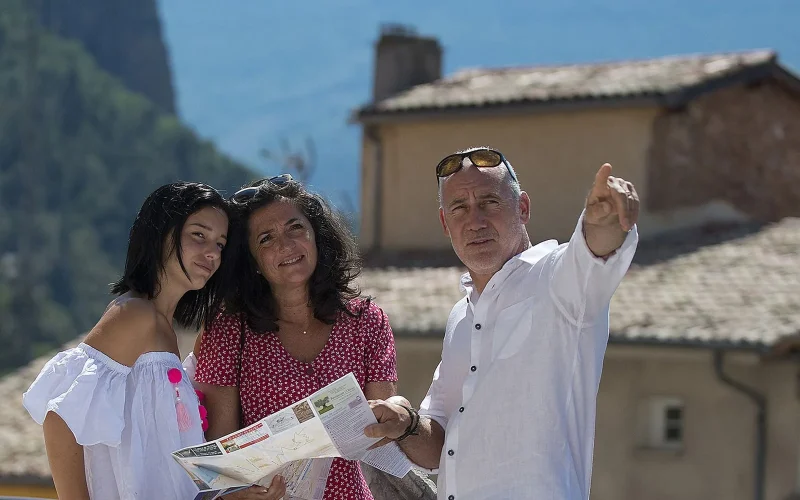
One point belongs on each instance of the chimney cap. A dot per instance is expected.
(398, 32)
(399, 29)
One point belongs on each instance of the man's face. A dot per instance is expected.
(479, 213)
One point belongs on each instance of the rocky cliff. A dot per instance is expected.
(124, 37)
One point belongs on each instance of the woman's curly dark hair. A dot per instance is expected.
(332, 284)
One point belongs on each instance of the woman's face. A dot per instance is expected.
(203, 237)
(282, 242)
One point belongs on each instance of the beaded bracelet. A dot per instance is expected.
(412, 427)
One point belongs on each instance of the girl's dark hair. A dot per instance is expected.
(160, 222)
(332, 284)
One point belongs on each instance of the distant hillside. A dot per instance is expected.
(78, 154)
(124, 38)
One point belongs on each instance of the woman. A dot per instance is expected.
(296, 322)
(115, 407)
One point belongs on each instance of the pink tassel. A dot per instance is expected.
(184, 421)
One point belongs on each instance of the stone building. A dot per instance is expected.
(699, 395)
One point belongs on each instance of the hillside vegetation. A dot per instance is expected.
(78, 155)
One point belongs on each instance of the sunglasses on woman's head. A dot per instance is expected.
(483, 157)
(244, 195)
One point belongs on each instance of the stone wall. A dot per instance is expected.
(740, 145)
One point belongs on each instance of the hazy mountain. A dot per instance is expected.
(123, 37)
(79, 152)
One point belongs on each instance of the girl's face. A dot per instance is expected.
(203, 237)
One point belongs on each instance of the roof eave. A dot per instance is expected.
(728, 345)
(368, 115)
(769, 69)
(787, 79)
(26, 479)
(641, 341)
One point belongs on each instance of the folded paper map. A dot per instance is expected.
(298, 442)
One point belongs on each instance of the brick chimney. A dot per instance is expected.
(404, 59)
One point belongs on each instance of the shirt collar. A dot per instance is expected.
(530, 257)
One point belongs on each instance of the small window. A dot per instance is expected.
(662, 423)
(673, 424)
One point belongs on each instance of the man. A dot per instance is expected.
(510, 413)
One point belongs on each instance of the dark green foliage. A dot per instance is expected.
(78, 155)
(124, 37)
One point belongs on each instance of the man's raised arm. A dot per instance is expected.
(585, 273)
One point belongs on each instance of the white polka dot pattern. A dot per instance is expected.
(272, 379)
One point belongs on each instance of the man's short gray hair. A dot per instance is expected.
(511, 177)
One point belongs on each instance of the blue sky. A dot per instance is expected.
(250, 73)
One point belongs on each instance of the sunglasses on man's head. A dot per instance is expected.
(244, 195)
(483, 157)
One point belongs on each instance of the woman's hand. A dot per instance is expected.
(275, 491)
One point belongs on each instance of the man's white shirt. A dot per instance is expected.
(517, 384)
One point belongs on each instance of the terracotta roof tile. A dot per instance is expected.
(725, 284)
(22, 454)
(652, 77)
(417, 301)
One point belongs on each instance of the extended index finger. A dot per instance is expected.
(601, 178)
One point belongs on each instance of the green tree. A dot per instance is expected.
(78, 155)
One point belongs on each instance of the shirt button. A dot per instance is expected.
(451, 452)
(474, 368)
(310, 371)
(477, 326)
(461, 410)
(451, 497)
